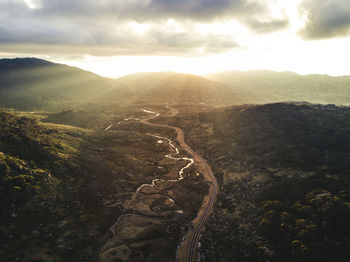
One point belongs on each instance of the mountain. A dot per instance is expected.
(175, 87)
(23, 63)
(268, 86)
(31, 83)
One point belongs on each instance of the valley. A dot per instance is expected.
(174, 131)
(170, 167)
(133, 218)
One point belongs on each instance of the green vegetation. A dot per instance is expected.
(40, 189)
(20, 181)
(78, 118)
(65, 178)
(284, 181)
(63, 187)
(311, 229)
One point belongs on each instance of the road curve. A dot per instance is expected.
(187, 251)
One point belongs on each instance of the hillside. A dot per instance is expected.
(64, 187)
(269, 86)
(30, 83)
(179, 88)
(39, 182)
(284, 181)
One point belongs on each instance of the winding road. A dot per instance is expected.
(188, 248)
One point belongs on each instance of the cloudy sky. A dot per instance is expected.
(117, 37)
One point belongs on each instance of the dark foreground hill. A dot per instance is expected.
(48, 191)
(284, 181)
(172, 87)
(30, 83)
(269, 86)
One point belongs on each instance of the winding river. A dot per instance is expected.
(189, 246)
(153, 183)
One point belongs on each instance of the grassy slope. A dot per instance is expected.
(178, 88)
(38, 168)
(29, 83)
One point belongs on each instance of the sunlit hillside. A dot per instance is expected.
(30, 83)
(269, 86)
(169, 87)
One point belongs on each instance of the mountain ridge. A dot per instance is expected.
(158, 87)
(32, 83)
(268, 86)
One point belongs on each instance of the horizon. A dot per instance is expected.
(177, 72)
(116, 75)
(114, 38)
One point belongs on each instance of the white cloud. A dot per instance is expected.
(199, 36)
(131, 27)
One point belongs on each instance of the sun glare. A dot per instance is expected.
(138, 28)
(33, 4)
(280, 52)
(199, 47)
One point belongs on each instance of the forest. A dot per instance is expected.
(284, 181)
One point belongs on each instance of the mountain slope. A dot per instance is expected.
(269, 86)
(174, 87)
(30, 83)
(284, 181)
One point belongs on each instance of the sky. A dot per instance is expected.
(118, 37)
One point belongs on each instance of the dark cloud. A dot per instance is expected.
(269, 26)
(202, 9)
(104, 23)
(146, 10)
(326, 18)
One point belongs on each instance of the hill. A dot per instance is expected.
(63, 188)
(167, 87)
(269, 86)
(30, 83)
(284, 181)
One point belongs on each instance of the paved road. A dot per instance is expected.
(187, 251)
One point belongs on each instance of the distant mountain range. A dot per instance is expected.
(30, 83)
(268, 86)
